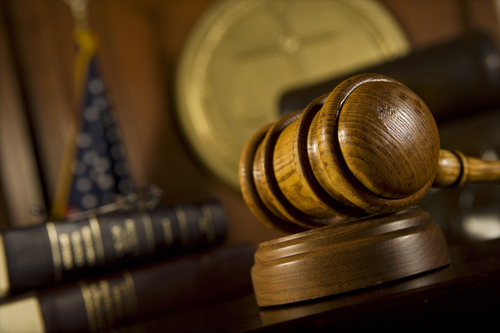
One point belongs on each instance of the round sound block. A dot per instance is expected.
(353, 255)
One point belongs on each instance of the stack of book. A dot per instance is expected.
(111, 270)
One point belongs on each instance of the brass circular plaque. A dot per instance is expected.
(244, 54)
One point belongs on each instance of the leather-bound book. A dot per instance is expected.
(51, 253)
(144, 292)
(454, 78)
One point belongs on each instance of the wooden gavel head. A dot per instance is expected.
(369, 147)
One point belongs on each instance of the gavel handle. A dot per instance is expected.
(455, 169)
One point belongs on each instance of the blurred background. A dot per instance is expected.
(142, 44)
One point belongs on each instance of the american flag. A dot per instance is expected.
(100, 170)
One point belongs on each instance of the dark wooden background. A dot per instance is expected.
(140, 42)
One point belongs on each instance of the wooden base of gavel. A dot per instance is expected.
(343, 177)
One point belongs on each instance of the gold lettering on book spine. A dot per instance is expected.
(116, 293)
(56, 254)
(107, 301)
(125, 239)
(88, 244)
(66, 253)
(109, 312)
(131, 237)
(89, 305)
(96, 295)
(96, 234)
(131, 296)
(78, 251)
(168, 234)
(118, 240)
(72, 249)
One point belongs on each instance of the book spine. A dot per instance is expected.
(55, 252)
(113, 300)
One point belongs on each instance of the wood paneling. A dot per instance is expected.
(41, 31)
(19, 174)
(427, 22)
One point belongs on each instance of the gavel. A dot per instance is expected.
(369, 147)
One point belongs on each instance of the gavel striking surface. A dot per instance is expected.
(346, 257)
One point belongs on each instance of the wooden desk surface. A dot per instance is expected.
(466, 292)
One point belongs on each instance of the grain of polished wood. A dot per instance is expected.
(346, 257)
(250, 192)
(457, 169)
(370, 147)
(295, 176)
